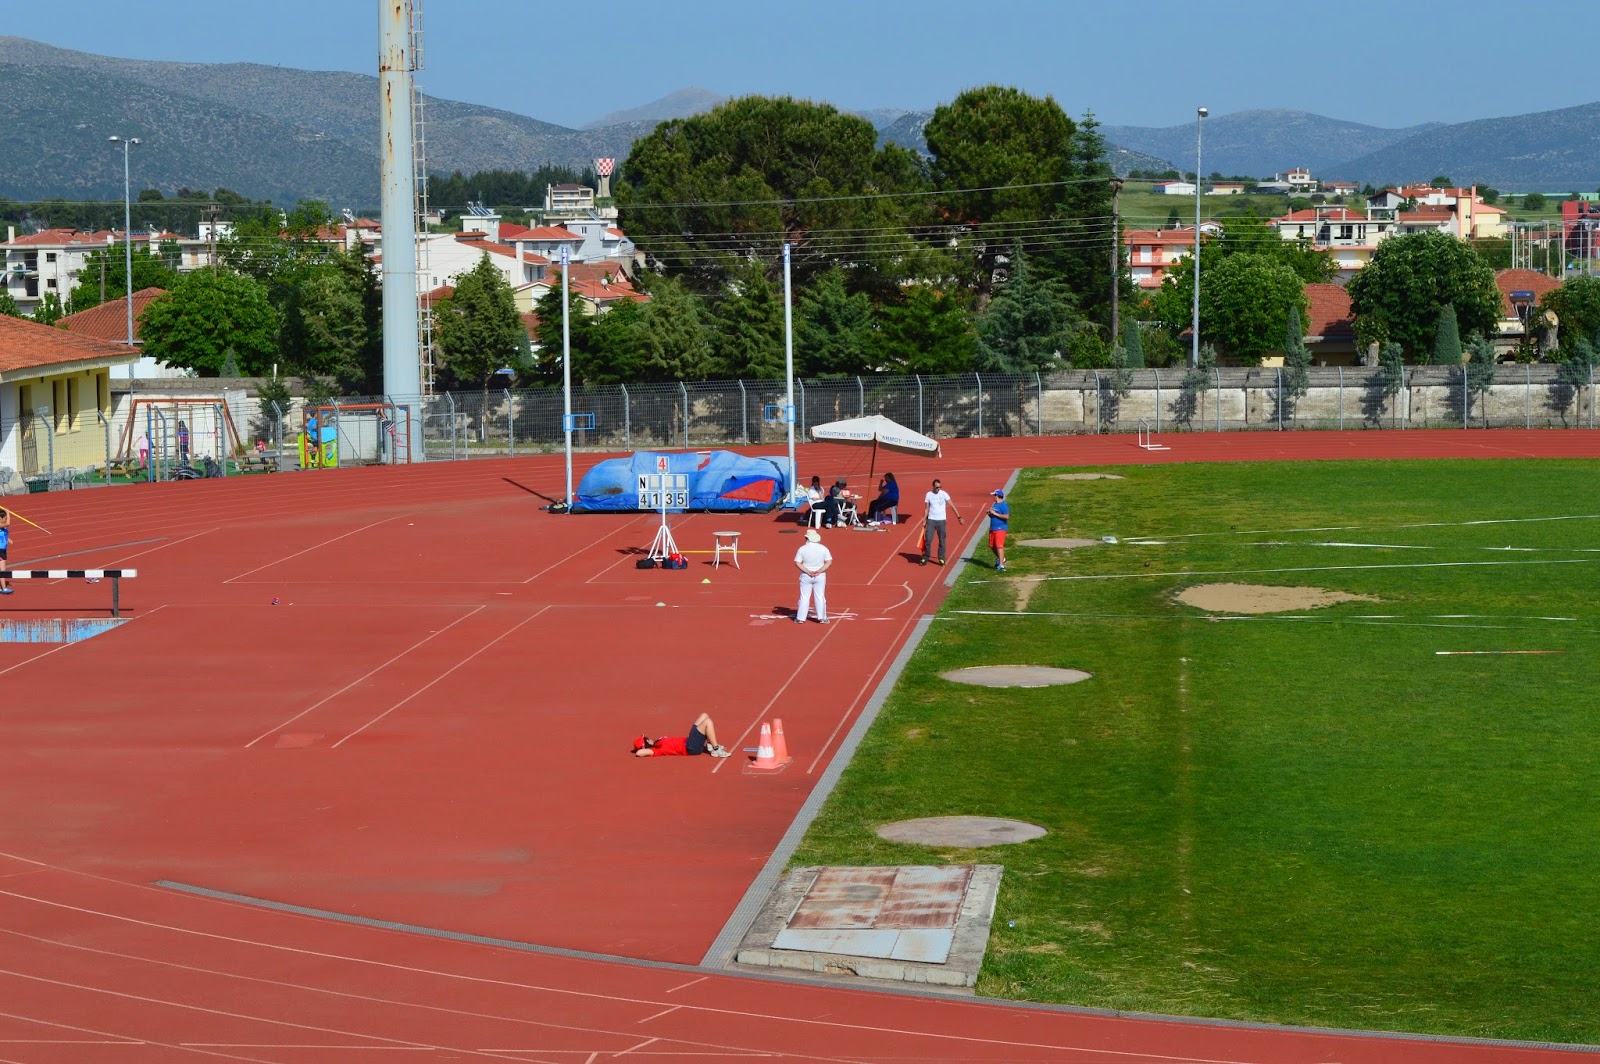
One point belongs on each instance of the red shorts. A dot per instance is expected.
(997, 539)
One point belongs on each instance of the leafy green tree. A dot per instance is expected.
(206, 314)
(708, 192)
(1001, 159)
(49, 311)
(1489, 194)
(677, 343)
(8, 305)
(1029, 323)
(105, 273)
(580, 340)
(1197, 380)
(1244, 301)
(478, 328)
(1533, 201)
(1442, 181)
(1398, 294)
(324, 330)
(1577, 307)
(831, 328)
(1296, 358)
(748, 339)
(923, 330)
(616, 352)
(1447, 339)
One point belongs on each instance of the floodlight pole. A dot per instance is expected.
(127, 228)
(788, 373)
(566, 367)
(1194, 326)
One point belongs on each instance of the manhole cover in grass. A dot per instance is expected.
(1088, 476)
(967, 832)
(1059, 544)
(1015, 676)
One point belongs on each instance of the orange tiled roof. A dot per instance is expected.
(1330, 313)
(1509, 281)
(550, 232)
(109, 321)
(28, 345)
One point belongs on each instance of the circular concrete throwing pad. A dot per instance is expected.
(968, 832)
(1088, 476)
(1059, 544)
(1015, 676)
(1262, 598)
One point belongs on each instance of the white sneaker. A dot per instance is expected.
(718, 751)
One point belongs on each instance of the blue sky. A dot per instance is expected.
(1135, 62)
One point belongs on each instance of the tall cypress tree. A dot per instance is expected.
(1447, 339)
(1296, 357)
(1132, 344)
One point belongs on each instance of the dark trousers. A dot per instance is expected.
(935, 528)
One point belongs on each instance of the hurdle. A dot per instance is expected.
(114, 575)
(1147, 438)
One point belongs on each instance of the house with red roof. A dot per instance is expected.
(1152, 252)
(109, 322)
(51, 261)
(1346, 236)
(52, 383)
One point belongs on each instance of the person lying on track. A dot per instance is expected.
(702, 739)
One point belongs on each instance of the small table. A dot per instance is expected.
(725, 541)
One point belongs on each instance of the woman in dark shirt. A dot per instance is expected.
(888, 498)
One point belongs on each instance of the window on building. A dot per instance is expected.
(49, 256)
(50, 282)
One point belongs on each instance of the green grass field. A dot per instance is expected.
(1308, 818)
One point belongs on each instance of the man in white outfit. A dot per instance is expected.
(813, 560)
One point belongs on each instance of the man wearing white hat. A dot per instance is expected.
(813, 560)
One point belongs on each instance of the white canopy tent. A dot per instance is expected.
(876, 429)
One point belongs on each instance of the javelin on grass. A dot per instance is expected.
(14, 513)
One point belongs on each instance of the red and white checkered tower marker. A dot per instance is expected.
(603, 169)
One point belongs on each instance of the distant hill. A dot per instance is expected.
(1261, 143)
(680, 104)
(1548, 151)
(263, 131)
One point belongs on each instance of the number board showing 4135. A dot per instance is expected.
(663, 491)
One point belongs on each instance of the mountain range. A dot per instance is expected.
(283, 134)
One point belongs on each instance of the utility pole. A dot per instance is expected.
(1116, 258)
(211, 211)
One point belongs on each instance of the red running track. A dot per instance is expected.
(430, 729)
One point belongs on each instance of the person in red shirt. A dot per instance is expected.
(702, 739)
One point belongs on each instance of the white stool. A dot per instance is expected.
(725, 541)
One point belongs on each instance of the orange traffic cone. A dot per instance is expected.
(780, 748)
(765, 757)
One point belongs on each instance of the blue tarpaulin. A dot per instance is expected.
(718, 481)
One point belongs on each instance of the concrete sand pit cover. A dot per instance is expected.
(1059, 544)
(1088, 476)
(1015, 676)
(967, 832)
(1263, 598)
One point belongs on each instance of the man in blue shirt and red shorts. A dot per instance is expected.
(999, 515)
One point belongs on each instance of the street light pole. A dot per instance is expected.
(1116, 259)
(127, 225)
(1194, 326)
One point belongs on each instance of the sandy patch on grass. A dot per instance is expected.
(1015, 676)
(1024, 587)
(1088, 476)
(1263, 598)
(1059, 544)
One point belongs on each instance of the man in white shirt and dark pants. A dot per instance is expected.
(813, 560)
(937, 501)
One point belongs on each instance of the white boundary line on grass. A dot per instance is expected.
(1311, 569)
(1348, 528)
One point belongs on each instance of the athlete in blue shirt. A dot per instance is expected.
(999, 515)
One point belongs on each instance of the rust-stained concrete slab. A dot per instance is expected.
(915, 923)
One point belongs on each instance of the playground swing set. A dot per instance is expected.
(162, 436)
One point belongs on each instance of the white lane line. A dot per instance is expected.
(314, 546)
(441, 676)
(713, 1010)
(362, 678)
